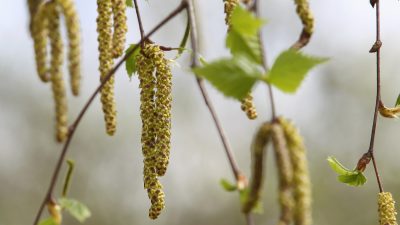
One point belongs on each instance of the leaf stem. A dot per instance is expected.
(77, 121)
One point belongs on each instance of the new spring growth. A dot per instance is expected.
(104, 30)
(386, 209)
(247, 104)
(55, 211)
(389, 112)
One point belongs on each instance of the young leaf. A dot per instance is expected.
(228, 186)
(242, 38)
(233, 77)
(397, 101)
(129, 3)
(48, 221)
(77, 209)
(130, 63)
(246, 45)
(339, 168)
(290, 68)
(244, 22)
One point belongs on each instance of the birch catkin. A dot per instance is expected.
(301, 178)
(74, 51)
(33, 6)
(229, 6)
(120, 27)
(147, 63)
(386, 209)
(104, 29)
(285, 174)
(40, 34)
(306, 17)
(260, 142)
(57, 81)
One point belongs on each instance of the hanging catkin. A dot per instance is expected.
(104, 27)
(285, 173)
(247, 104)
(40, 34)
(146, 67)
(120, 27)
(258, 146)
(386, 209)
(72, 23)
(56, 62)
(301, 178)
(307, 19)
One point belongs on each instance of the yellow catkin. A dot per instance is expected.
(285, 172)
(147, 78)
(248, 107)
(40, 33)
(57, 81)
(260, 141)
(120, 27)
(306, 17)
(104, 29)
(386, 209)
(73, 32)
(301, 179)
(229, 6)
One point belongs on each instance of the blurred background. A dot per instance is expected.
(333, 110)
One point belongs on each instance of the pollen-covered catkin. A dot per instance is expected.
(104, 30)
(73, 33)
(148, 114)
(248, 107)
(260, 142)
(386, 209)
(33, 6)
(57, 81)
(163, 105)
(229, 6)
(285, 172)
(301, 177)
(306, 17)
(40, 34)
(120, 27)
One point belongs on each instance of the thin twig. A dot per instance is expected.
(77, 121)
(139, 19)
(239, 176)
(254, 8)
(378, 95)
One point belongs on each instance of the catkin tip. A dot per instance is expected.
(248, 107)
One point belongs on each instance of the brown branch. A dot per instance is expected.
(139, 19)
(254, 8)
(77, 121)
(378, 95)
(239, 176)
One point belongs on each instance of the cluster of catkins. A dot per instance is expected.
(155, 110)
(386, 209)
(111, 29)
(45, 27)
(294, 178)
(247, 104)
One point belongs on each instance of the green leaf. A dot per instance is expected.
(233, 77)
(242, 38)
(397, 101)
(129, 3)
(130, 63)
(290, 68)
(77, 209)
(48, 221)
(246, 45)
(228, 186)
(339, 168)
(244, 22)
